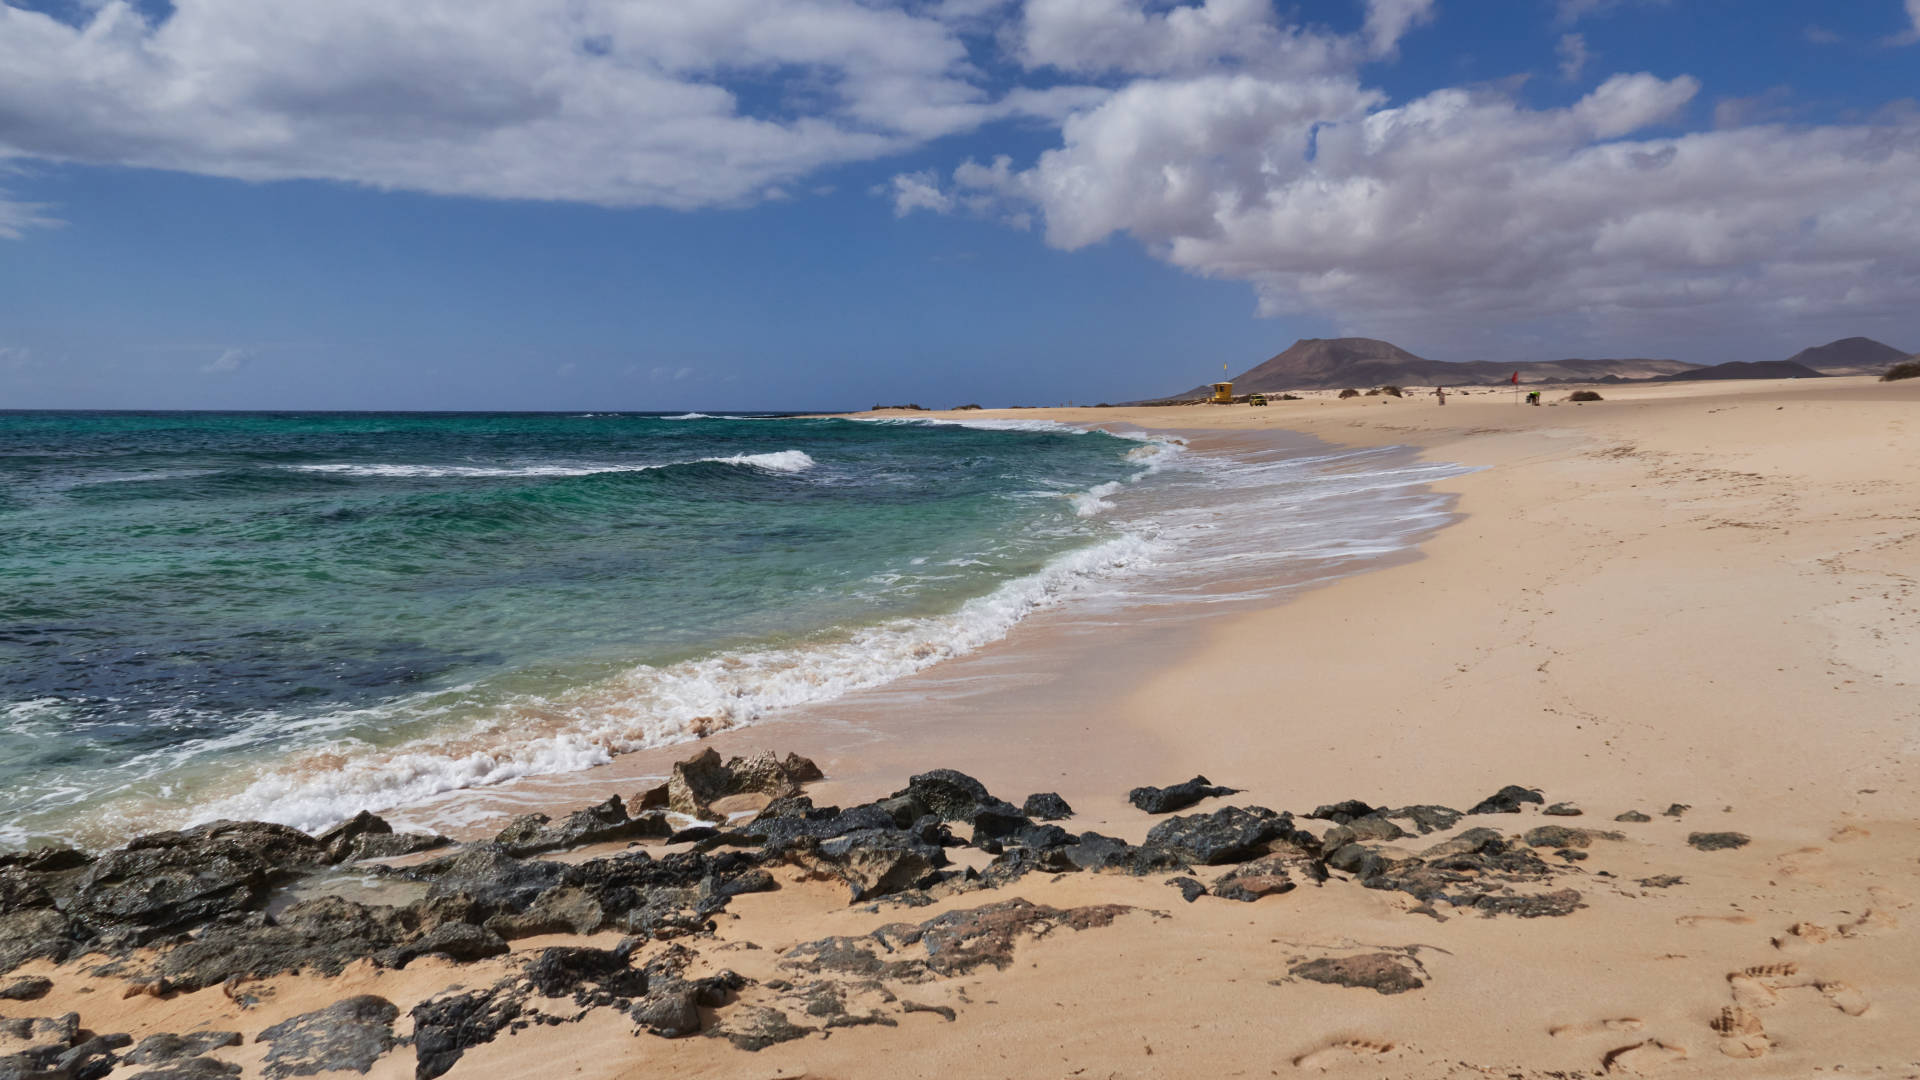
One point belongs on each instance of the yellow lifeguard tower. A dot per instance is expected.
(1223, 393)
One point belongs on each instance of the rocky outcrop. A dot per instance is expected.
(700, 781)
(1507, 800)
(347, 1035)
(531, 834)
(1165, 800)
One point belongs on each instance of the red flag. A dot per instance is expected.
(1516, 378)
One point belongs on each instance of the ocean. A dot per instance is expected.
(295, 616)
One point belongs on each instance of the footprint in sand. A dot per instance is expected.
(1643, 1058)
(1595, 1027)
(1847, 833)
(1704, 920)
(1741, 1033)
(1801, 935)
(1340, 1052)
(1760, 987)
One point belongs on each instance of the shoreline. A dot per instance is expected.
(1681, 595)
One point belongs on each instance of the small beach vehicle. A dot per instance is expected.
(1256, 399)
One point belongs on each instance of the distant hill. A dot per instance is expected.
(1849, 356)
(1333, 363)
(1747, 369)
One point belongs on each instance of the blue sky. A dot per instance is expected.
(824, 203)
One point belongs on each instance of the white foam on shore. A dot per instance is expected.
(650, 706)
(788, 461)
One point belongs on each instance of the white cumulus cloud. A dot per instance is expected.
(666, 104)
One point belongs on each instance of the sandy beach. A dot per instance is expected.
(1692, 604)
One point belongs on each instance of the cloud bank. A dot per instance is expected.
(1226, 139)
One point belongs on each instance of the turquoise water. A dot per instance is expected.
(411, 602)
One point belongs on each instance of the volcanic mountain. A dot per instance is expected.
(1333, 363)
(1749, 369)
(1849, 356)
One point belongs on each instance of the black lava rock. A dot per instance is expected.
(1046, 806)
(1178, 797)
(1507, 800)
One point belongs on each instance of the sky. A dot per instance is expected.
(656, 204)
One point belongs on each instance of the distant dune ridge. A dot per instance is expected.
(1335, 363)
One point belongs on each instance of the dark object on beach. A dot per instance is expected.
(1557, 836)
(1662, 881)
(1178, 797)
(350, 1034)
(1585, 395)
(166, 1046)
(1562, 809)
(1289, 397)
(1266, 876)
(26, 988)
(1349, 392)
(1389, 391)
(1675, 810)
(965, 408)
(1343, 811)
(1718, 841)
(1427, 818)
(530, 834)
(908, 408)
(1190, 890)
(197, 1068)
(368, 836)
(1536, 906)
(951, 794)
(1908, 370)
(1369, 827)
(1224, 836)
(1046, 806)
(171, 881)
(447, 1027)
(45, 860)
(1384, 972)
(1633, 816)
(1507, 800)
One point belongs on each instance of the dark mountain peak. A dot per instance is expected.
(1849, 356)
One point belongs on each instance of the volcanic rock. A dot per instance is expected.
(1718, 841)
(1166, 800)
(1046, 806)
(1507, 800)
(349, 1034)
(1228, 835)
(1386, 973)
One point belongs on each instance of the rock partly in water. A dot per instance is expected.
(1507, 800)
(347, 1035)
(1387, 973)
(1165, 800)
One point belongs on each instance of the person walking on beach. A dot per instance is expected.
(1441, 393)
